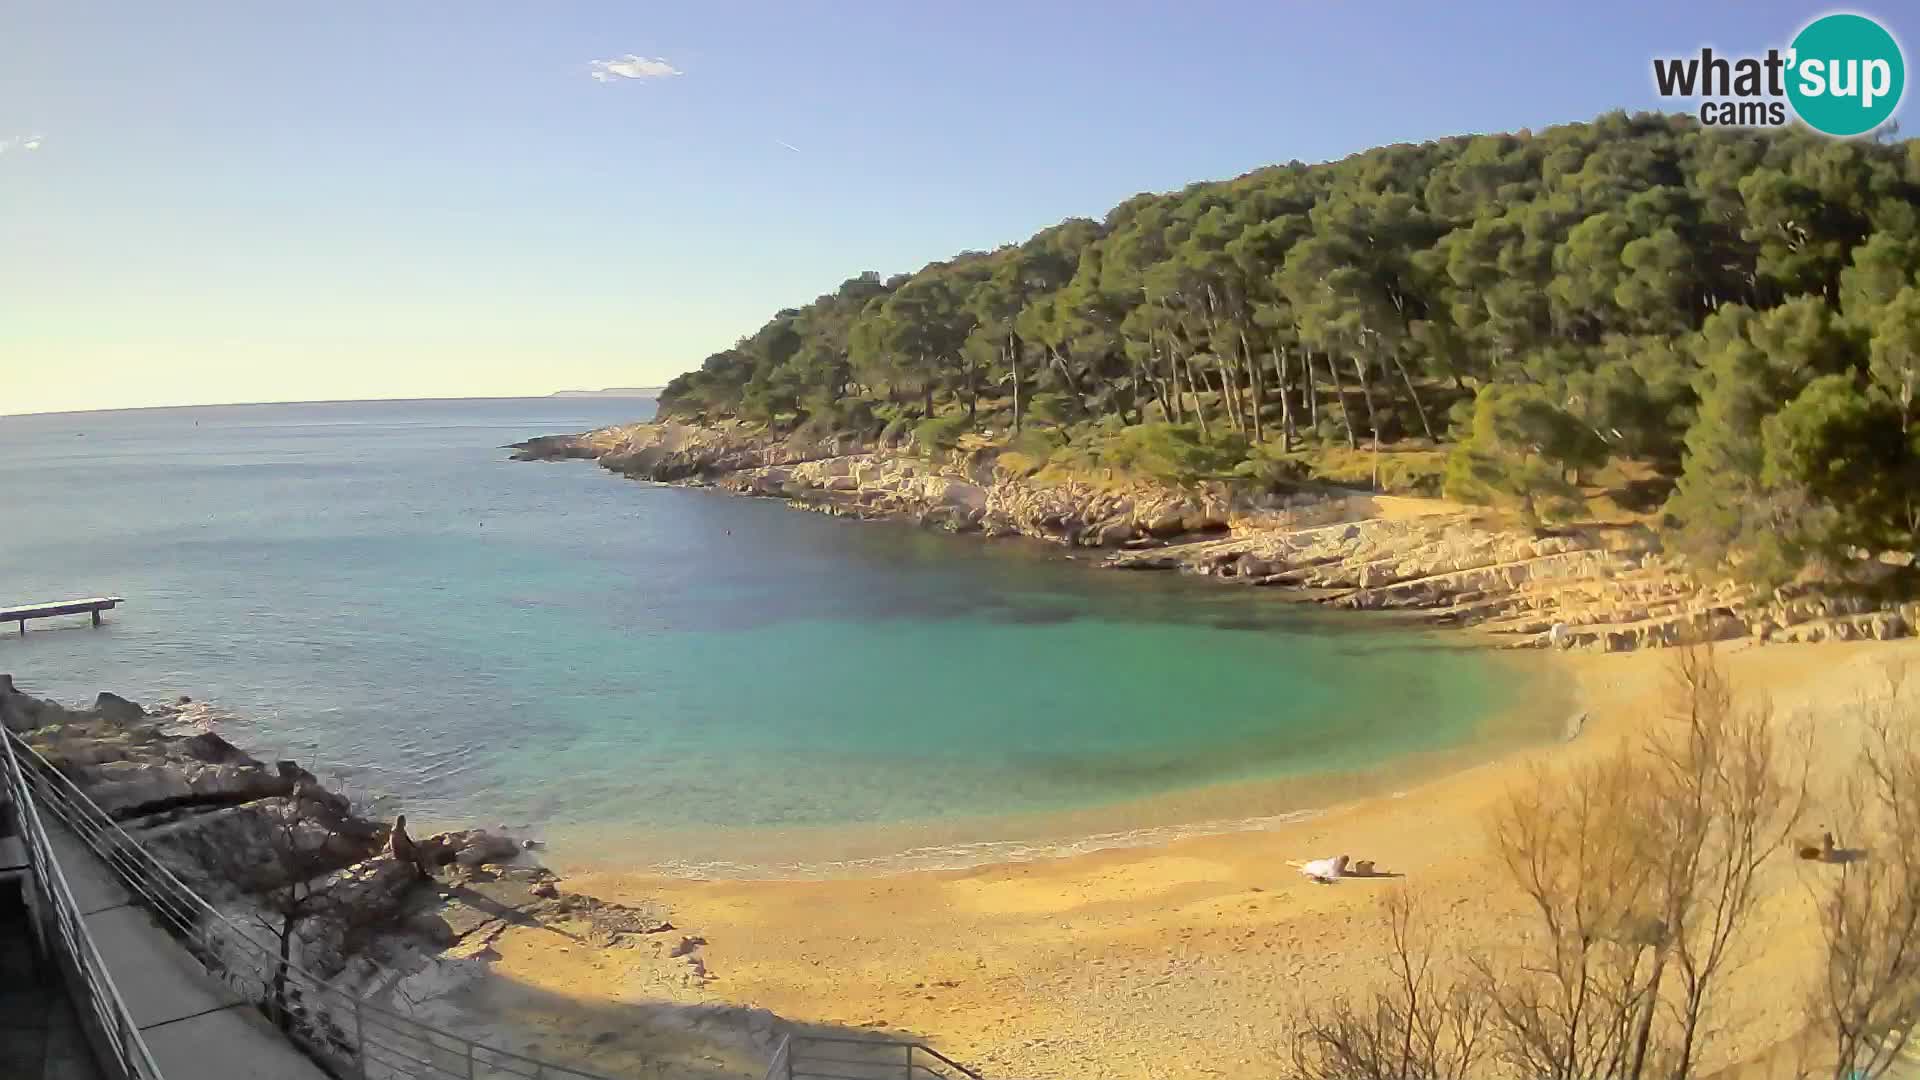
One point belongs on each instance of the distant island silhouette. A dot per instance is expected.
(611, 391)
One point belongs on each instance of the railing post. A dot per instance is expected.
(359, 1039)
(223, 947)
(909, 1061)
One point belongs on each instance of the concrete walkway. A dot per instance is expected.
(196, 1027)
(40, 1034)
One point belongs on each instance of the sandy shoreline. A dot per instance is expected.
(1176, 959)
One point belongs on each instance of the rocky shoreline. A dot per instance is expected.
(378, 928)
(1601, 588)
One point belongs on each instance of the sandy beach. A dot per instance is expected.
(1178, 960)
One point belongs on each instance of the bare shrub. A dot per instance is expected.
(1866, 1003)
(1640, 871)
(1426, 1020)
(292, 846)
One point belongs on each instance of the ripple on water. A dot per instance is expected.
(374, 588)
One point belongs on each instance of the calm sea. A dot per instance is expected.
(665, 677)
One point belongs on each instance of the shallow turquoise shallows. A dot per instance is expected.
(376, 588)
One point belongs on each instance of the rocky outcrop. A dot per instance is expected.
(553, 448)
(1603, 589)
(117, 709)
(469, 847)
(1596, 589)
(845, 476)
(21, 712)
(670, 452)
(980, 497)
(239, 832)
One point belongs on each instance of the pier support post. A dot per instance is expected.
(96, 616)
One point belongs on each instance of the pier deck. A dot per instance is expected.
(93, 605)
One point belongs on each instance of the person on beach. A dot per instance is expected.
(405, 850)
(1323, 871)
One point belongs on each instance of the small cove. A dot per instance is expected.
(672, 678)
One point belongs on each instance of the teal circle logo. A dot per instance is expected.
(1847, 74)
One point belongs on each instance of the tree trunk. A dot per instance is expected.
(1373, 419)
(281, 1016)
(1227, 398)
(1253, 386)
(1146, 376)
(1134, 381)
(1066, 373)
(1199, 407)
(973, 391)
(1173, 385)
(1340, 395)
(1415, 394)
(1362, 372)
(1013, 357)
(1691, 1034)
(1313, 391)
(1643, 1021)
(1230, 376)
(1279, 357)
(1229, 393)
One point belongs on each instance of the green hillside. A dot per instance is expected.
(1730, 317)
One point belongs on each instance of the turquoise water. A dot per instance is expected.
(375, 588)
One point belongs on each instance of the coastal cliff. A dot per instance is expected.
(1604, 587)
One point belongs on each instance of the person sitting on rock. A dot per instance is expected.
(405, 850)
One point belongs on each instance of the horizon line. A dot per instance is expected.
(563, 395)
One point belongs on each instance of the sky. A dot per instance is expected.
(204, 203)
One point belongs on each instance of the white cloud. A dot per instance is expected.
(21, 142)
(632, 66)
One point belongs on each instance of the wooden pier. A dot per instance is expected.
(90, 606)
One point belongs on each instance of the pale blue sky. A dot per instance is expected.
(264, 201)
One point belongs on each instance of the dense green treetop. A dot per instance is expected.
(1734, 311)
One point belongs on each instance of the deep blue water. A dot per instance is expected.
(375, 587)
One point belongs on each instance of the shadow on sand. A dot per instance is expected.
(643, 1037)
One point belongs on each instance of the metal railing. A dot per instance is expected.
(118, 1037)
(802, 1056)
(348, 1035)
